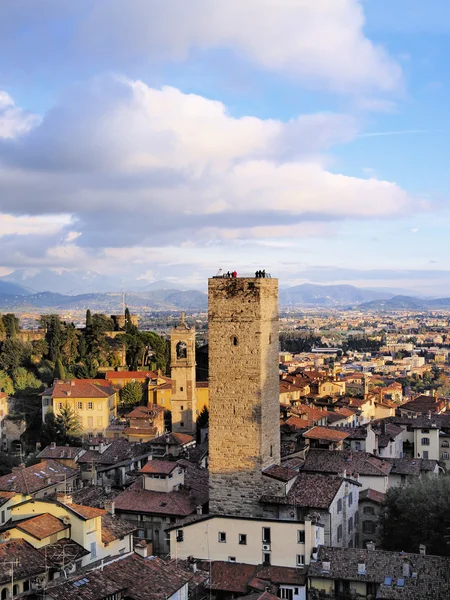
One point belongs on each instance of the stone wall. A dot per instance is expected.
(244, 435)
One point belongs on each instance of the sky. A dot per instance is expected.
(165, 140)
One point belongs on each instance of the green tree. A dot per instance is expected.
(54, 337)
(88, 319)
(202, 421)
(26, 383)
(59, 371)
(131, 393)
(87, 369)
(69, 349)
(68, 427)
(11, 323)
(2, 329)
(39, 350)
(14, 353)
(129, 327)
(417, 514)
(6, 383)
(158, 349)
(135, 347)
(7, 462)
(49, 431)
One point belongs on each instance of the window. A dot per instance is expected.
(243, 539)
(99, 421)
(266, 558)
(90, 405)
(425, 430)
(286, 594)
(60, 405)
(350, 499)
(300, 560)
(181, 423)
(234, 340)
(162, 400)
(181, 388)
(180, 535)
(369, 526)
(339, 533)
(266, 535)
(181, 407)
(369, 510)
(300, 537)
(90, 422)
(425, 441)
(181, 349)
(425, 454)
(79, 405)
(232, 559)
(3, 516)
(222, 537)
(93, 550)
(357, 445)
(445, 444)
(355, 519)
(445, 456)
(339, 505)
(350, 525)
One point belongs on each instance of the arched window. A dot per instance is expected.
(234, 340)
(181, 350)
(445, 444)
(5, 593)
(15, 590)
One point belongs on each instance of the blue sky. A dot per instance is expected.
(144, 140)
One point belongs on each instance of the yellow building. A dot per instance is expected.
(3, 415)
(93, 400)
(43, 523)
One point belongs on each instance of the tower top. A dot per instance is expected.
(182, 325)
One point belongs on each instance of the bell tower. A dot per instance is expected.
(182, 365)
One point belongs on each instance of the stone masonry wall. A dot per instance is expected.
(244, 436)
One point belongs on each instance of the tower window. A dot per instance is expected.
(181, 350)
(181, 388)
(234, 340)
(222, 537)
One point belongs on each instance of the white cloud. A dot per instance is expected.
(13, 120)
(142, 167)
(321, 42)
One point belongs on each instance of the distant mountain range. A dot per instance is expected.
(406, 302)
(62, 290)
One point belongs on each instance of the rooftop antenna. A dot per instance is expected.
(123, 298)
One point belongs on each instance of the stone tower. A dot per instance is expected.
(182, 365)
(244, 431)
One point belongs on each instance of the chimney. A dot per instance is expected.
(192, 564)
(64, 498)
(370, 546)
(406, 572)
(422, 549)
(53, 445)
(141, 548)
(110, 506)
(199, 509)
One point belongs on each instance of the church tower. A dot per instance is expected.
(182, 365)
(244, 406)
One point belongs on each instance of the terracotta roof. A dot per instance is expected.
(177, 439)
(61, 452)
(432, 580)
(279, 575)
(86, 512)
(5, 496)
(373, 495)
(310, 490)
(335, 417)
(145, 412)
(80, 388)
(357, 433)
(162, 467)
(338, 461)
(63, 552)
(202, 384)
(230, 577)
(29, 561)
(282, 473)
(37, 477)
(423, 404)
(298, 423)
(196, 480)
(324, 433)
(311, 412)
(118, 451)
(94, 495)
(411, 466)
(41, 526)
(143, 431)
(115, 528)
(147, 579)
(135, 499)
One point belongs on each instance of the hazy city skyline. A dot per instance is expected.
(307, 138)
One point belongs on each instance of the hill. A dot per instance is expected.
(328, 295)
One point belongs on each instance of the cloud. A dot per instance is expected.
(136, 165)
(13, 120)
(319, 43)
